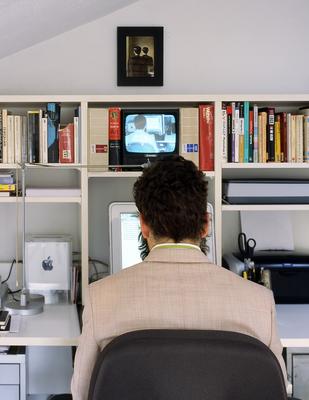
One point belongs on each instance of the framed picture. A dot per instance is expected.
(140, 56)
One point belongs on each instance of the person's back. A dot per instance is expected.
(175, 287)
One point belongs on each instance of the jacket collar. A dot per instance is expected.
(176, 254)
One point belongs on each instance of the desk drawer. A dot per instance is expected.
(9, 375)
(9, 392)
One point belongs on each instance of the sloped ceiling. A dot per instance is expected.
(24, 23)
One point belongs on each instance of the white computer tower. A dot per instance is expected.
(48, 265)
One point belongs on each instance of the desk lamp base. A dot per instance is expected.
(28, 305)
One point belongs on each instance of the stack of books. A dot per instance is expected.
(7, 185)
(4, 320)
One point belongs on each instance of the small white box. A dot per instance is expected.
(48, 262)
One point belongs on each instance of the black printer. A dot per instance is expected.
(289, 273)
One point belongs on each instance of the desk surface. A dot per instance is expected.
(57, 325)
(293, 324)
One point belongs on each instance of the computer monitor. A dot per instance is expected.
(124, 228)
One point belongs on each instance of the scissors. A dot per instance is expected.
(246, 247)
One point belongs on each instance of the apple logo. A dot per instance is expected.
(47, 264)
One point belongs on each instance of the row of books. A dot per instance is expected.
(38, 137)
(196, 136)
(260, 135)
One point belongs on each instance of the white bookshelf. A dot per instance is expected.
(109, 184)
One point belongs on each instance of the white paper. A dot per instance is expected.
(272, 230)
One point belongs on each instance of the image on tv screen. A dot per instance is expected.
(150, 133)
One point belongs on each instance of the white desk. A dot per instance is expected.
(293, 324)
(57, 325)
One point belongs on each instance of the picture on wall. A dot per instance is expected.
(140, 56)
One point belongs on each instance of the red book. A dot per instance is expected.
(114, 136)
(66, 144)
(206, 137)
(283, 137)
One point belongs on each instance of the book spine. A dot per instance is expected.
(6, 180)
(260, 140)
(18, 132)
(4, 187)
(1, 138)
(4, 136)
(53, 122)
(11, 139)
(300, 139)
(255, 134)
(277, 139)
(306, 138)
(283, 137)
(251, 136)
(264, 137)
(242, 132)
(237, 133)
(246, 134)
(271, 134)
(76, 139)
(224, 134)
(66, 144)
(229, 132)
(114, 137)
(233, 131)
(206, 137)
(33, 136)
(293, 138)
(289, 136)
(44, 140)
(24, 139)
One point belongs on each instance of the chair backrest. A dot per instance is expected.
(186, 365)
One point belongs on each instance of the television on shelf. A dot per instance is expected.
(124, 229)
(148, 134)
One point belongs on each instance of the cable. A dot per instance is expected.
(11, 267)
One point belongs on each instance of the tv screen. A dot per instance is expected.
(148, 134)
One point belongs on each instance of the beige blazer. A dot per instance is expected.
(172, 289)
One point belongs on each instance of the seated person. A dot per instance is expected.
(139, 140)
(175, 287)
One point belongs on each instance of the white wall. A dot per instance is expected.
(220, 46)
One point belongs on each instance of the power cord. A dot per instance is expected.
(11, 268)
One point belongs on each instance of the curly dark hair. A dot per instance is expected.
(171, 195)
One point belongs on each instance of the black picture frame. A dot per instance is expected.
(140, 56)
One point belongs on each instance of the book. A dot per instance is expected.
(114, 137)
(98, 137)
(251, 133)
(255, 134)
(246, 131)
(6, 178)
(53, 122)
(224, 134)
(229, 133)
(7, 187)
(18, 138)
(189, 134)
(242, 132)
(306, 138)
(33, 136)
(44, 148)
(206, 136)
(270, 133)
(277, 139)
(10, 140)
(4, 136)
(1, 138)
(66, 144)
(76, 139)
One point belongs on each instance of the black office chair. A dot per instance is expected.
(186, 365)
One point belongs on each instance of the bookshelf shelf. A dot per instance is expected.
(129, 174)
(265, 207)
(53, 200)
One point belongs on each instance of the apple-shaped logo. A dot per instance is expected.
(47, 264)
